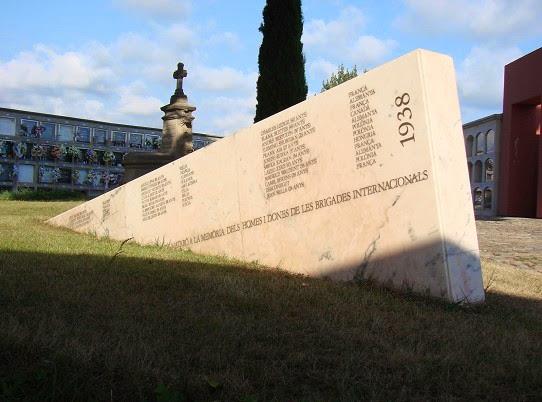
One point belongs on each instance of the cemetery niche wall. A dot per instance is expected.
(365, 181)
(51, 152)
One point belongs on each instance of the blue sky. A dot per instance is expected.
(112, 60)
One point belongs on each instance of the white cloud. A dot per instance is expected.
(128, 79)
(153, 57)
(320, 33)
(322, 68)
(163, 9)
(479, 18)
(229, 102)
(118, 82)
(232, 122)
(228, 39)
(72, 83)
(341, 41)
(93, 107)
(44, 68)
(67, 103)
(180, 37)
(224, 104)
(481, 76)
(135, 48)
(135, 102)
(225, 115)
(369, 50)
(223, 79)
(100, 54)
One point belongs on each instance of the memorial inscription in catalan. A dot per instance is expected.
(366, 181)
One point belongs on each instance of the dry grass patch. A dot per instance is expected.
(160, 324)
(511, 281)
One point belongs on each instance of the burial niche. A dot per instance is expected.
(478, 172)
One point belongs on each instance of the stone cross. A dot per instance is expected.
(179, 75)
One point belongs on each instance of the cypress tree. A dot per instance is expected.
(281, 82)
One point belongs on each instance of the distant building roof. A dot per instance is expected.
(483, 120)
(128, 126)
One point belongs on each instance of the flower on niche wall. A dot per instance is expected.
(37, 152)
(4, 148)
(108, 157)
(91, 178)
(73, 153)
(75, 176)
(157, 143)
(55, 175)
(58, 152)
(106, 178)
(14, 172)
(20, 150)
(91, 156)
(37, 131)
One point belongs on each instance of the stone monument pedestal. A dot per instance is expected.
(176, 135)
(138, 164)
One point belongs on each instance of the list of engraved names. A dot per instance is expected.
(366, 143)
(187, 181)
(286, 157)
(154, 197)
(106, 209)
(79, 219)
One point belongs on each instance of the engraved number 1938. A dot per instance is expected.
(405, 129)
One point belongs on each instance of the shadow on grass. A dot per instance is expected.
(81, 327)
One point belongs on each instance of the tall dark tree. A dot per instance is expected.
(281, 82)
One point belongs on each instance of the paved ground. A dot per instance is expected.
(512, 241)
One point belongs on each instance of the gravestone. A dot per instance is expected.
(366, 181)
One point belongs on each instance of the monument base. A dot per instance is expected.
(138, 164)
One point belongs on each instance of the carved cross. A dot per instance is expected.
(179, 75)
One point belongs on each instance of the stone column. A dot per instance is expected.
(177, 128)
(176, 134)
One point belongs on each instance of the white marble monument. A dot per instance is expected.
(366, 181)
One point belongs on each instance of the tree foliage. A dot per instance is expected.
(281, 82)
(342, 75)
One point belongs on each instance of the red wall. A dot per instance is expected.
(520, 182)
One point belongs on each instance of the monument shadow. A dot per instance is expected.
(96, 326)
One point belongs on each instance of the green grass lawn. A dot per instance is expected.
(79, 323)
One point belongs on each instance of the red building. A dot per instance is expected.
(504, 151)
(520, 159)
